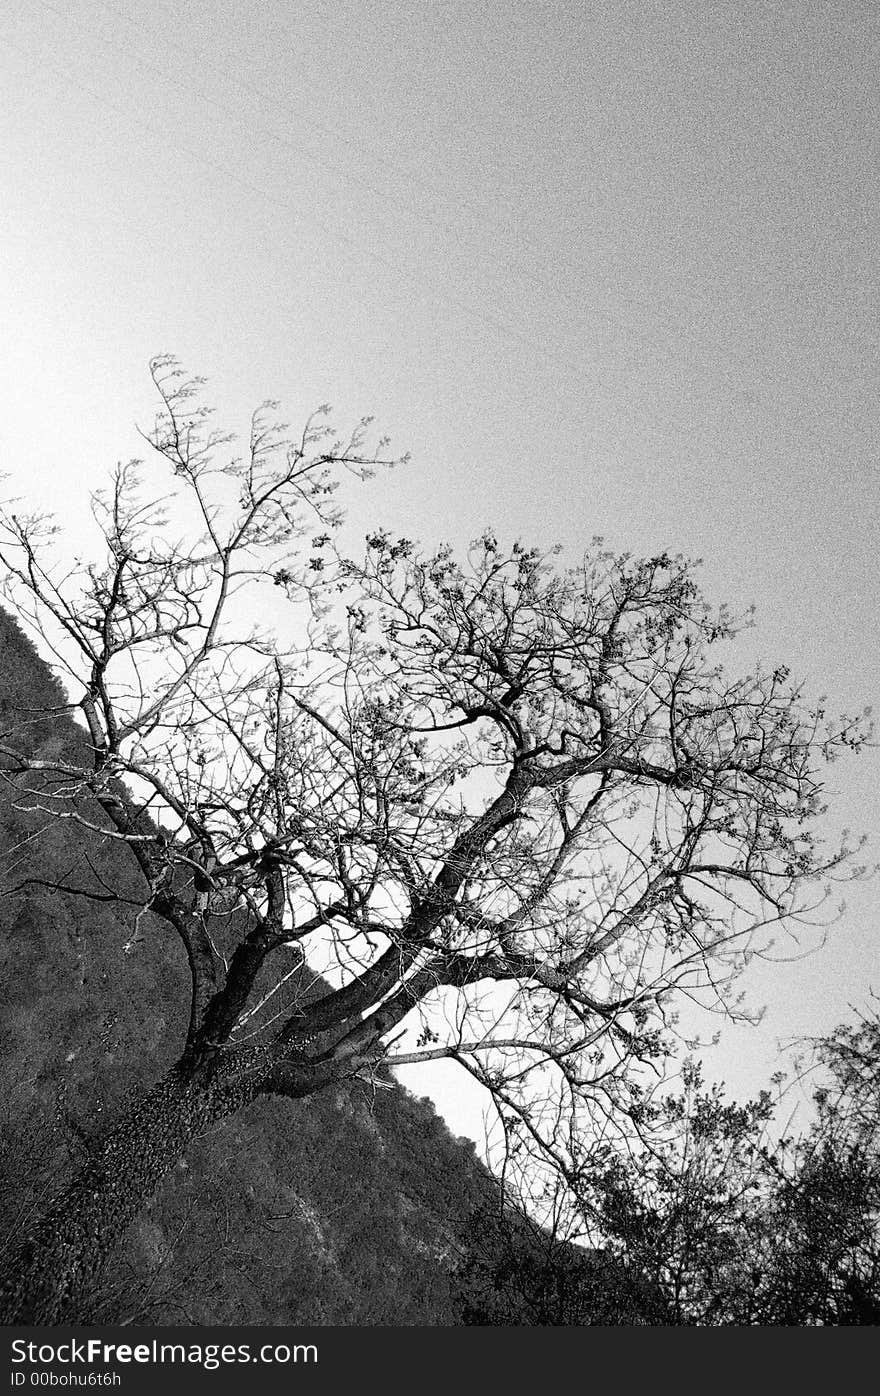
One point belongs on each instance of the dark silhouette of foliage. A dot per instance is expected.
(517, 1272)
(734, 1226)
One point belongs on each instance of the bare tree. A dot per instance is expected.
(519, 807)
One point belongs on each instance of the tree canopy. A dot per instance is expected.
(517, 804)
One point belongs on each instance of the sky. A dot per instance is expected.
(602, 268)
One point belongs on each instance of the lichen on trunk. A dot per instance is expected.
(62, 1256)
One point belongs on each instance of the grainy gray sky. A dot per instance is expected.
(604, 268)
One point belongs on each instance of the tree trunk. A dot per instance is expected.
(62, 1257)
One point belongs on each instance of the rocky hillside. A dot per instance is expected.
(355, 1207)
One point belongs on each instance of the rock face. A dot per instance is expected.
(352, 1207)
